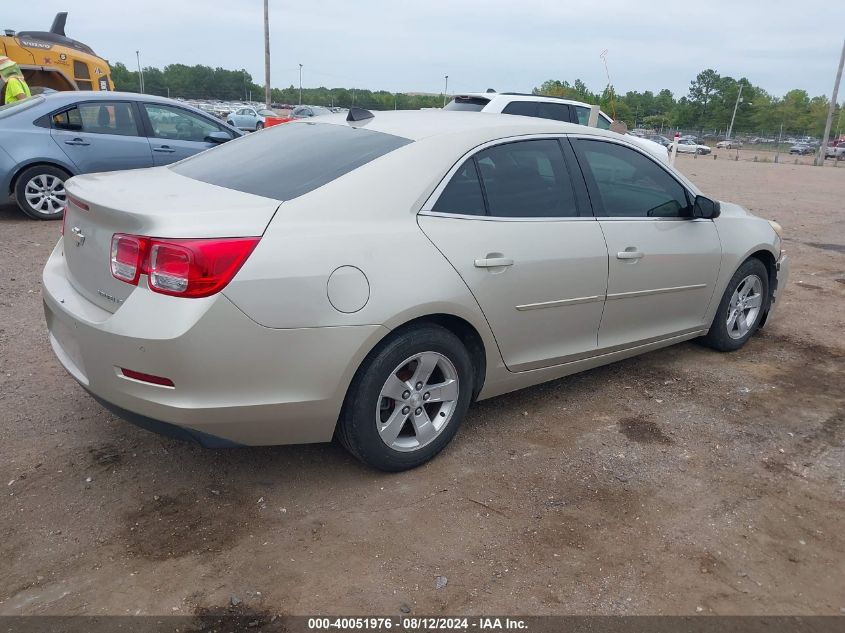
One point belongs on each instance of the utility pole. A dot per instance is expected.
(445, 90)
(733, 116)
(267, 99)
(833, 98)
(140, 72)
(300, 84)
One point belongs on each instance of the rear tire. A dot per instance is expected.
(40, 192)
(741, 309)
(407, 399)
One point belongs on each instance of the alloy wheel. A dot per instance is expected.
(417, 401)
(744, 307)
(45, 194)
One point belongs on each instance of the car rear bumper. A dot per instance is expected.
(235, 381)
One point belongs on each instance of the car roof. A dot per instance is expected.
(420, 124)
(521, 96)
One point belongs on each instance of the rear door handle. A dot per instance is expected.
(493, 262)
(164, 149)
(77, 141)
(630, 255)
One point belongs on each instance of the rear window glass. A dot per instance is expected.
(474, 104)
(289, 160)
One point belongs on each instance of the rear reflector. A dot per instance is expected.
(180, 267)
(142, 377)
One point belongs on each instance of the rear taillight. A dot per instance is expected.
(127, 256)
(184, 267)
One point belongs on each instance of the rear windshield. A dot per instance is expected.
(289, 160)
(474, 104)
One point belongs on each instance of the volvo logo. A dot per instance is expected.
(78, 236)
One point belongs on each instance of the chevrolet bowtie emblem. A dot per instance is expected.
(78, 235)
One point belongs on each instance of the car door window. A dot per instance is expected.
(523, 108)
(179, 125)
(526, 179)
(104, 117)
(629, 184)
(463, 193)
(554, 111)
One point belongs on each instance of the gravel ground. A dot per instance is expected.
(683, 481)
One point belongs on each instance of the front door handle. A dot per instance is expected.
(164, 149)
(77, 141)
(630, 255)
(493, 262)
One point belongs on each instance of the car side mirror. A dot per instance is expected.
(706, 208)
(217, 137)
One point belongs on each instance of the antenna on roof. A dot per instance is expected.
(359, 114)
(489, 90)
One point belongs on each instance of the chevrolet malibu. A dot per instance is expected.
(399, 267)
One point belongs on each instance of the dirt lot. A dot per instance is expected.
(684, 481)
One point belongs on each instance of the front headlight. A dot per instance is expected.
(777, 228)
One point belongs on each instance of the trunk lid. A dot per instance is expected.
(149, 202)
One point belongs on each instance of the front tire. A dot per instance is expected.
(742, 307)
(40, 192)
(407, 399)
(259, 126)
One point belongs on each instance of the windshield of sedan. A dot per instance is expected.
(286, 161)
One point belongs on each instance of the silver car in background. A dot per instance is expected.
(249, 118)
(46, 139)
(397, 268)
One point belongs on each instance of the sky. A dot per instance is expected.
(507, 45)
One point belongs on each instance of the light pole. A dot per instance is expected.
(300, 84)
(736, 105)
(140, 72)
(823, 147)
(445, 90)
(267, 99)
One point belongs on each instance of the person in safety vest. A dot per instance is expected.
(16, 86)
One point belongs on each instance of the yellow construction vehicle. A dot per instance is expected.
(50, 59)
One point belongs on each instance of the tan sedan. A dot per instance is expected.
(369, 277)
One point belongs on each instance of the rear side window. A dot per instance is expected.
(463, 193)
(102, 117)
(286, 161)
(473, 104)
(521, 108)
(554, 111)
(526, 179)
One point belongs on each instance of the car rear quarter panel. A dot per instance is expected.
(367, 220)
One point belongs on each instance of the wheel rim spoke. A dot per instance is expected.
(443, 392)
(390, 431)
(395, 388)
(423, 428)
(754, 301)
(425, 366)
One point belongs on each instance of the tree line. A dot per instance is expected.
(708, 105)
(204, 82)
